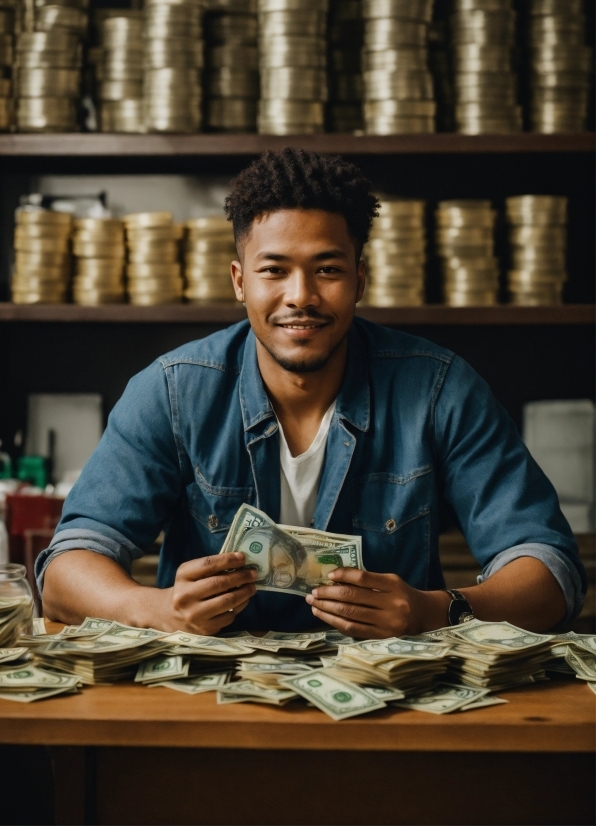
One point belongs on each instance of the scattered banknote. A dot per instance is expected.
(443, 699)
(582, 663)
(483, 702)
(8, 655)
(39, 626)
(195, 685)
(289, 560)
(248, 689)
(338, 698)
(27, 683)
(162, 668)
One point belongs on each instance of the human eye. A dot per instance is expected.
(271, 270)
(330, 270)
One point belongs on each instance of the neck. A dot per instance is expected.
(300, 396)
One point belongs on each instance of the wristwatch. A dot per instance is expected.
(460, 609)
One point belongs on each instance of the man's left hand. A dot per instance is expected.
(367, 605)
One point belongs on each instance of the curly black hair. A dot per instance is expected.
(297, 179)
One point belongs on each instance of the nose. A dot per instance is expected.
(302, 290)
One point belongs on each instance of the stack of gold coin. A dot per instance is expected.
(560, 66)
(98, 250)
(396, 254)
(292, 61)
(173, 60)
(42, 265)
(538, 238)
(7, 27)
(48, 68)
(47, 81)
(346, 33)
(120, 75)
(483, 37)
(465, 243)
(209, 249)
(398, 89)
(232, 86)
(153, 258)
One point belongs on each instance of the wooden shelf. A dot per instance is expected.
(98, 144)
(230, 313)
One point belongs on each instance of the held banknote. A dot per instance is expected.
(289, 560)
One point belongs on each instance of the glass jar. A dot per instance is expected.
(16, 604)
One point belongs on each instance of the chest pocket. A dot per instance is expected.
(392, 514)
(213, 509)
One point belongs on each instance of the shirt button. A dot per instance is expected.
(213, 521)
(391, 524)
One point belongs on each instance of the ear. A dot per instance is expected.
(237, 279)
(361, 276)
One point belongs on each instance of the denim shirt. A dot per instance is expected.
(417, 443)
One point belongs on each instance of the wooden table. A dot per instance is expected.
(132, 754)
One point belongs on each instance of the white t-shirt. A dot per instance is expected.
(300, 476)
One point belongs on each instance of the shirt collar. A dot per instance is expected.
(353, 399)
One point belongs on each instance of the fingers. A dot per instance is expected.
(227, 618)
(207, 566)
(348, 611)
(365, 579)
(350, 629)
(220, 583)
(347, 593)
(231, 599)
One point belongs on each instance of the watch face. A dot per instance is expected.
(459, 611)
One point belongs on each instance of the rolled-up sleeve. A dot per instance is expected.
(131, 483)
(505, 505)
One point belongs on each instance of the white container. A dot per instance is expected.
(560, 436)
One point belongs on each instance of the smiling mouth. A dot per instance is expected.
(302, 326)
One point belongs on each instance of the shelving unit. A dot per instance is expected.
(525, 353)
(105, 145)
(567, 314)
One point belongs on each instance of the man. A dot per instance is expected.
(319, 419)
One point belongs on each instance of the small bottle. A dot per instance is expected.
(16, 604)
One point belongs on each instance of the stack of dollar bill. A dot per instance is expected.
(494, 655)
(288, 559)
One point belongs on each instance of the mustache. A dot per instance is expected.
(302, 315)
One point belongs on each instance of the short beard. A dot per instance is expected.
(302, 366)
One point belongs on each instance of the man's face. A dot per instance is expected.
(300, 281)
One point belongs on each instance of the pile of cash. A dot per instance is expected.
(561, 66)
(398, 90)
(119, 73)
(42, 267)
(7, 27)
(465, 244)
(153, 266)
(15, 619)
(173, 58)
(483, 37)
(209, 249)
(98, 251)
(48, 68)
(451, 669)
(231, 78)
(396, 254)
(345, 38)
(288, 559)
(538, 238)
(292, 62)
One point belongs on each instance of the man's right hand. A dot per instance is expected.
(208, 593)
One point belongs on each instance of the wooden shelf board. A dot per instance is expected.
(230, 313)
(98, 144)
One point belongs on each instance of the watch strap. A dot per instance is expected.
(459, 610)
